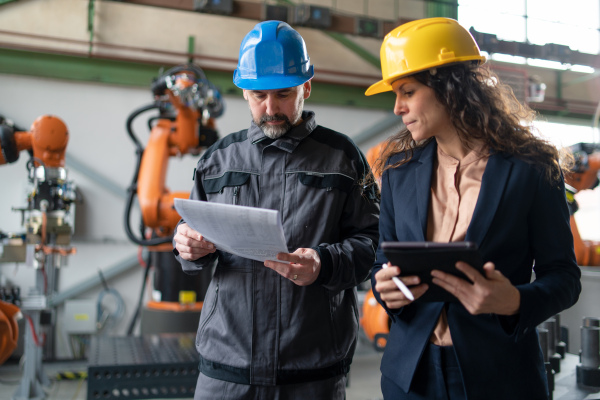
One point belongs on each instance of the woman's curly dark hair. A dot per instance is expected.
(481, 108)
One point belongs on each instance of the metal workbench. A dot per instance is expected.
(146, 367)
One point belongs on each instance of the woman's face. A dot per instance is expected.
(423, 115)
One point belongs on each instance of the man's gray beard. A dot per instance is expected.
(277, 131)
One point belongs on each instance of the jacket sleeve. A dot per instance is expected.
(557, 284)
(193, 267)
(348, 263)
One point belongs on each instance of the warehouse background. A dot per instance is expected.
(91, 64)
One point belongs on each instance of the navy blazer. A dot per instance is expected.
(520, 219)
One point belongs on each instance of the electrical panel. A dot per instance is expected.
(312, 16)
(369, 27)
(214, 6)
(275, 13)
(80, 317)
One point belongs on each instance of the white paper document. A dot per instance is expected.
(248, 232)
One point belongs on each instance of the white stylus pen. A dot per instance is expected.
(401, 285)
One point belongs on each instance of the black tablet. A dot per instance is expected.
(420, 258)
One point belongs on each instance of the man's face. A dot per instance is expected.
(277, 111)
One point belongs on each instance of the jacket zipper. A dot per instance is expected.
(236, 191)
(212, 310)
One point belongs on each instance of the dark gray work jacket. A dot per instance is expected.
(257, 327)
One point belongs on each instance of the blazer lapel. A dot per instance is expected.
(493, 182)
(423, 184)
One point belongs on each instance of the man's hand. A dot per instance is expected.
(190, 244)
(492, 293)
(303, 268)
(389, 292)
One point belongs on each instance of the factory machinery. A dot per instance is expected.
(156, 363)
(162, 361)
(44, 246)
(583, 176)
(187, 104)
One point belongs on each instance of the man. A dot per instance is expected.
(283, 329)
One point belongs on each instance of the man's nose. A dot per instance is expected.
(272, 105)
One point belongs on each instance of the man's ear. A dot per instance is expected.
(245, 94)
(307, 87)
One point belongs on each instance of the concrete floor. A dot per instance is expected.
(364, 378)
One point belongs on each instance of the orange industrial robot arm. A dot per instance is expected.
(46, 143)
(583, 176)
(47, 140)
(188, 104)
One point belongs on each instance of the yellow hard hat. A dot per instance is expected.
(422, 44)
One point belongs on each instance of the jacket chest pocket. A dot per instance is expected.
(228, 188)
(327, 182)
(315, 203)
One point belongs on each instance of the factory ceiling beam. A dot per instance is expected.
(338, 22)
(34, 62)
(349, 24)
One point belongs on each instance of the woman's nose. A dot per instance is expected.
(399, 106)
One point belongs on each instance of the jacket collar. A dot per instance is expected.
(291, 139)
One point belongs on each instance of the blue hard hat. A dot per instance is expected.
(272, 56)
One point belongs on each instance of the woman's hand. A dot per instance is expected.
(389, 292)
(492, 293)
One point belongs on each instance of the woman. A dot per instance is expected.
(468, 167)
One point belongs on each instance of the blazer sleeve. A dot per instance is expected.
(557, 284)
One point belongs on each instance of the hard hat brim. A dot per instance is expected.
(272, 82)
(379, 87)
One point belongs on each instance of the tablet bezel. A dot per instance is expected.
(420, 258)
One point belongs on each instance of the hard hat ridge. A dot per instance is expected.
(272, 56)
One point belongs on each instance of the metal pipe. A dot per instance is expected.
(591, 321)
(386, 124)
(590, 347)
(550, 325)
(84, 286)
(76, 165)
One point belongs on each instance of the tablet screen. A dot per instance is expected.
(420, 258)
